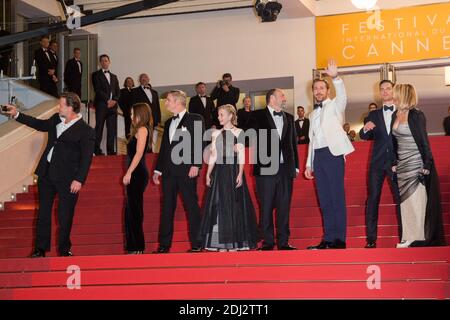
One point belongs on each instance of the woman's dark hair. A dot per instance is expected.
(142, 117)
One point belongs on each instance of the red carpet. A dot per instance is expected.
(98, 232)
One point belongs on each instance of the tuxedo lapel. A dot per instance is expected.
(180, 125)
(72, 128)
(285, 124)
(382, 123)
(270, 120)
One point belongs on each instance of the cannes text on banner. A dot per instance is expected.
(406, 34)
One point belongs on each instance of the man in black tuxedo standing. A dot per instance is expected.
(73, 73)
(378, 128)
(107, 92)
(179, 174)
(203, 105)
(145, 94)
(46, 69)
(62, 169)
(225, 92)
(302, 126)
(274, 179)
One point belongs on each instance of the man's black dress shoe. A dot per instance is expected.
(371, 245)
(287, 247)
(37, 253)
(265, 248)
(162, 249)
(195, 250)
(339, 244)
(66, 254)
(322, 245)
(136, 252)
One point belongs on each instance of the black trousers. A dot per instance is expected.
(188, 188)
(134, 211)
(275, 192)
(102, 115)
(47, 191)
(376, 179)
(127, 121)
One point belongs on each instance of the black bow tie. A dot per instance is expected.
(202, 96)
(147, 87)
(386, 108)
(280, 114)
(176, 117)
(106, 71)
(318, 105)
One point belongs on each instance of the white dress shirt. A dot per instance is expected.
(79, 65)
(46, 54)
(318, 138)
(174, 125)
(203, 98)
(108, 77)
(301, 122)
(279, 124)
(60, 128)
(148, 92)
(387, 115)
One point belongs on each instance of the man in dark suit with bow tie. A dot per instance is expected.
(107, 92)
(73, 73)
(203, 105)
(145, 94)
(274, 179)
(179, 168)
(378, 128)
(302, 126)
(46, 72)
(62, 169)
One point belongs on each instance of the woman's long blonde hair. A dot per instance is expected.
(142, 117)
(231, 110)
(405, 96)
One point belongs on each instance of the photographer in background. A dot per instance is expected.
(224, 92)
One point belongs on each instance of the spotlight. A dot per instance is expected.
(268, 10)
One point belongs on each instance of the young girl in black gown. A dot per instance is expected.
(229, 219)
(136, 178)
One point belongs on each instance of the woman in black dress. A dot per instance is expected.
(125, 103)
(229, 219)
(136, 178)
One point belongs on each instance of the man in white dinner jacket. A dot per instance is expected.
(328, 147)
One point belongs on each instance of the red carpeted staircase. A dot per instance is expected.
(107, 273)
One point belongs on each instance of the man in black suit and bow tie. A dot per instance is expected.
(107, 92)
(145, 94)
(274, 179)
(203, 105)
(302, 126)
(62, 169)
(46, 72)
(378, 128)
(73, 73)
(179, 162)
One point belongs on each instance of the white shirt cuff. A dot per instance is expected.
(16, 116)
(158, 172)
